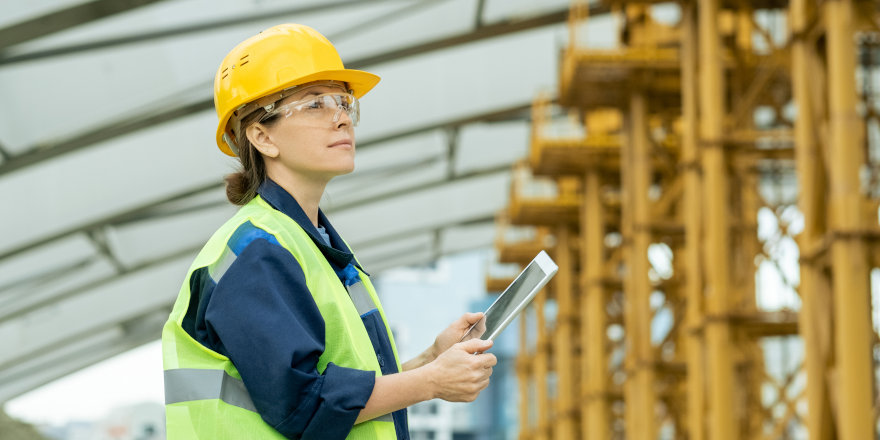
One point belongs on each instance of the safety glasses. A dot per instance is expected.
(323, 107)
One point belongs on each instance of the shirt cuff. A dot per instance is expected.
(336, 402)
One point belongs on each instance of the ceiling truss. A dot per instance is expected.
(49, 334)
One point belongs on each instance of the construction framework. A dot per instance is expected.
(710, 189)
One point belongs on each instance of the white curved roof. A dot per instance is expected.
(110, 180)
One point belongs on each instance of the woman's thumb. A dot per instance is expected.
(473, 317)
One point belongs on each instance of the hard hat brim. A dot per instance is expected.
(359, 81)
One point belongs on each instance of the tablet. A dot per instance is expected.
(514, 299)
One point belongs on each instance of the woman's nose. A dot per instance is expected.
(341, 118)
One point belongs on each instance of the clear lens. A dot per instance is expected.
(323, 107)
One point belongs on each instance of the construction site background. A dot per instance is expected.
(709, 185)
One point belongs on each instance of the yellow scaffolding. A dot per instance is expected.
(663, 330)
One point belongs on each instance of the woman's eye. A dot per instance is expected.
(316, 104)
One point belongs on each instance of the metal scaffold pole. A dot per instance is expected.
(692, 318)
(542, 369)
(690, 160)
(815, 323)
(852, 326)
(564, 334)
(594, 371)
(640, 370)
(720, 375)
(523, 370)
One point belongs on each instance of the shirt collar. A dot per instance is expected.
(338, 253)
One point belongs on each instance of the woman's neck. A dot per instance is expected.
(306, 192)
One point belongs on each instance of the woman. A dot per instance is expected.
(277, 331)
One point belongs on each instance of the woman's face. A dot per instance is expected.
(306, 139)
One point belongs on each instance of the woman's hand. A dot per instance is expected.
(454, 332)
(459, 375)
(444, 340)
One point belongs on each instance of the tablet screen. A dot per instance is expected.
(512, 300)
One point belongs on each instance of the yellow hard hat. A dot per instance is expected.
(276, 59)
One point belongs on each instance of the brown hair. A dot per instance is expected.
(242, 186)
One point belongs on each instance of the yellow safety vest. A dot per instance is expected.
(205, 397)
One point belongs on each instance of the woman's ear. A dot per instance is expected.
(261, 140)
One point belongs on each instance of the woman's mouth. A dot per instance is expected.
(343, 143)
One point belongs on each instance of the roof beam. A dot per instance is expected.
(111, 130)
(478, 15)
(423, 187)
(72, 318)
(482, 33)
(62, 360)
(149, 210)
(65, 19)
(482, 209)
(36, 280)
(516, 112)
(176, 31)
(98, 306)
(130, 125)
(26, 305)
(83, 350)
(416, 253)
(111, 220)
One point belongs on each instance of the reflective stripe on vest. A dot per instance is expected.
(360, 297)
(188, 384)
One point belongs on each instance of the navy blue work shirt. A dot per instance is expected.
(262, 316)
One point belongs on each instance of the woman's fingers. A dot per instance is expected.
(475, 345)
(460, 374)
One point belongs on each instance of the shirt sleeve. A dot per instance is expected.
(263, 317)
